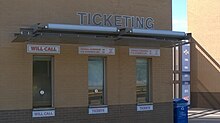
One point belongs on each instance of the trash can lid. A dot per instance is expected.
(179, 100)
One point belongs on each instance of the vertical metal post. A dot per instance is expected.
(174, 74)
(180, 71)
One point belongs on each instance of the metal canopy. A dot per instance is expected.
(99, 35)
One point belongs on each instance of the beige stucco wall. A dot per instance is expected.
(70, 68)
(204, 24)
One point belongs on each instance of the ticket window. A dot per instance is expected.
(96, 81)
(143, 81)
(42, 81)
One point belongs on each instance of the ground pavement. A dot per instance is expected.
(201, 115)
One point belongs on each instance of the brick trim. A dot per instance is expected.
(162, 113)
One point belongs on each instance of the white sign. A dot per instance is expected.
(98, 50)
(45, 113)
(99, 110)
(144, 52)
(144, 107)
(32, 48)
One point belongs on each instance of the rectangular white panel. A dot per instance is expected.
(144, 52)
(32, 48)
(97, 50)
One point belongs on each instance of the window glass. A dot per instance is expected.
(143, 80)
(42, 91)
(96, 81)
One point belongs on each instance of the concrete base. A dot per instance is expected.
(205, 100)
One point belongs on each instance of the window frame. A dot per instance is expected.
(52, 81)
(150, 87)
(104, 92)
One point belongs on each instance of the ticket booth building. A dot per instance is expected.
(86, 61)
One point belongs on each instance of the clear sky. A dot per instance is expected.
(179, 15)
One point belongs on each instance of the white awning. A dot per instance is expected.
(100, 35)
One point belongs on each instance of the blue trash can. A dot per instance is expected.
(180, 110)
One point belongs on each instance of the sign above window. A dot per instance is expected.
(32, 48)
(144, 52)
(99, 19)
(96, 50)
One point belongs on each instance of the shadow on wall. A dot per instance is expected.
(205, 78)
